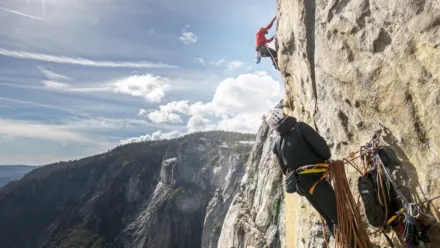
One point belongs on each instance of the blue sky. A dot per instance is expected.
(81, 77)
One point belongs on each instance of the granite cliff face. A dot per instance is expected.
(346, 65)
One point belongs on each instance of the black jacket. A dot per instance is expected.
(300, 145)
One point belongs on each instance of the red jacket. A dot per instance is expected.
(261, 35)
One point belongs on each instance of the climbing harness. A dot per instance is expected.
(316, 168)
(259, 55)
(350, 230)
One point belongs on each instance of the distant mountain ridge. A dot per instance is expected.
(13, 172)
(167, 193)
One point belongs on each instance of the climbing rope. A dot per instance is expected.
(274, 61)
(371, 160)
(409, 214)
(324, 232)
(350, 231)
(428, 201)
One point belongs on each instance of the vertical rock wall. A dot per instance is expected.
(347, 64)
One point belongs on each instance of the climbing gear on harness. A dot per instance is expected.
(264, 51)
(377, 201)
(381, 189)
(404, 221)
(316, 168)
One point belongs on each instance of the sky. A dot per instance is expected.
(78, 78)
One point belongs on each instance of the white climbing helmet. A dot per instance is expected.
(274, 116)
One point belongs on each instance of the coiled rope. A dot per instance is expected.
(350, 231)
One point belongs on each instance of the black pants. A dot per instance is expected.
(266, 51)
(323, 198)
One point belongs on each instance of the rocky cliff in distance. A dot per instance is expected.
(150, 194)
(255, 217)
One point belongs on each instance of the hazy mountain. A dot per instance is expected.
(13, 172)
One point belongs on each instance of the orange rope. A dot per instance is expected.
(366, 161)
(350, 231)
(325, 232)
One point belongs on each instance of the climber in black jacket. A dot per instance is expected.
(298, 144)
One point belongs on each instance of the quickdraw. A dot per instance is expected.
(405, 220)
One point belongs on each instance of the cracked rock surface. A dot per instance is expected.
(346, 65)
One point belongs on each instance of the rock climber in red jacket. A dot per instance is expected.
(261, 45)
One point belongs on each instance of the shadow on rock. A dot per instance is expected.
(405, 175)
(403, 171)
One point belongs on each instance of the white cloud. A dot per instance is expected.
(248, 93)
(230, 65)
(185, 28)
(159, 135)
(80, 61)
(98, 123)
(152, 88)
(53, 75)
(36, 104)
(164, 117)
(142, 112)
(67, 87)
(202, 61)
(233, 65)
(188, 38)
(220, 62)
(182, 107)
(198, 123)
(26, 129)
(151, 31)
(240, 103)
(241, 123)
(21, 13)
(55, 85)
(185, 107)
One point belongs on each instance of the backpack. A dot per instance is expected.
(371, 195)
